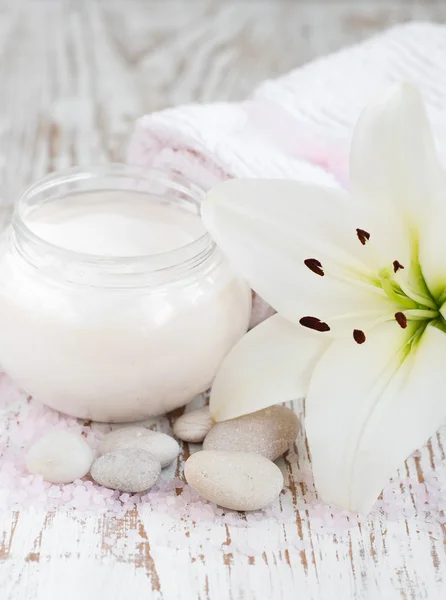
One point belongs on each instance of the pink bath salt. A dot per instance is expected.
(230, 518)
(27, 480)
(107, 493)
(9, 468)
(34, 491)
(28, 431)
(55, 492)
(98, 499)
(78, 502)
(186, 493)
(28, 420)
(20, 496)
(155, 499)
(198, 513)
(180, 504)
(81, 493)
(67, 495)
(208, 511)
(57, 503)
(174, 484)
(288, 512)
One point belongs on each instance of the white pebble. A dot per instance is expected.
(269, 432)
(194, 426)
(161, 446)
(235, 480)
(60, 457)
(128, 470)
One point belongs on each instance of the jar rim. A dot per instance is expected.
(183, 257)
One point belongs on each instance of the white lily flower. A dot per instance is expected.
(359, 284)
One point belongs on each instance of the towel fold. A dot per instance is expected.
(298, 126)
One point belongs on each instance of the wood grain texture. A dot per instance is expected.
(74, 77)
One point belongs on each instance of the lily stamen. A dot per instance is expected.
(359, 336)
(401, 319)
(314, 265)
(314, 323)
(363, 236)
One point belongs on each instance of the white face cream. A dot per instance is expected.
(114, 223)
(114, 303)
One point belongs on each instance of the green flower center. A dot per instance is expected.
(411, 295)
(413, 302)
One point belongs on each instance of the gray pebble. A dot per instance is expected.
(235, 480)
(194, 426)
(269, 432)
(161, 446)
(128, 470)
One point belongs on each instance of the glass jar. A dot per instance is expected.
(114, 337)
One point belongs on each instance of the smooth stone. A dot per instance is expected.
(60, 456)
(269, 432)
(128, 470)
(161, 446)
(194, 426)
(235, 480)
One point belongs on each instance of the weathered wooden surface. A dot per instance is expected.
(74, 76)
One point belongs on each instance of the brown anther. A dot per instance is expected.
(397, 266)
(401, 319)
(359, 336)
(363, 236)
(314, 265)
(314, 323)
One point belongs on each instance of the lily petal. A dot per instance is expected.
(270, 229)
(370, 407)
(393, 163)
(272, 363)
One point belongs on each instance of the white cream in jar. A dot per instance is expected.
(115, 305)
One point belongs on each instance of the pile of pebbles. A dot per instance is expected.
(235, 468)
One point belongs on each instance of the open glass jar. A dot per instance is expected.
(115, 304)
